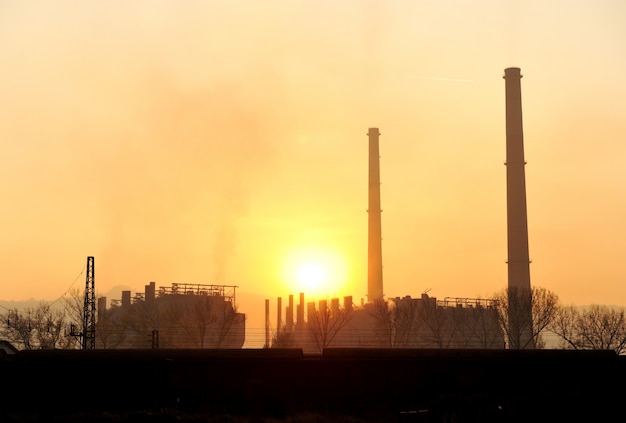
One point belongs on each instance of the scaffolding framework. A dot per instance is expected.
(225, 291)
(467, 302)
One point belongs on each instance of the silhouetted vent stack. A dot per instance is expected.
(374, 246)
(517, 222)
(517, 226)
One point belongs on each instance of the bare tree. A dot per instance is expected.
(198, 322)
(462, 327)
(479, 328)
(125, 326)
(564, 326)
(382, 312)
(173, 321)
(49, 325)
(40, 327)
(324, 323)
(110, 332)
(405, 321)
(400, 321)
(440, 324)
(283, 339)
(193, 322)
(524, 315)
(208, 323)
(74, 306)
(595, 327)
(18, 328)
(410, 323)
(226, 318)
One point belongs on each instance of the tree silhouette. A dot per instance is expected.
(596, 327)
(524, 315)
(40, 327)
(178, 320)
(397, 320)
(325, 322)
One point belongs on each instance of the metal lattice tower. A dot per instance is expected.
(89, 312)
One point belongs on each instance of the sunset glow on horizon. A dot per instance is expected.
(316, 272)
(226, 143)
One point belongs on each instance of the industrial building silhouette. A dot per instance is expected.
(402, 322)
(178, 316)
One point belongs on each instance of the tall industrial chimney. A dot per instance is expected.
(374, 241)
(518, 261)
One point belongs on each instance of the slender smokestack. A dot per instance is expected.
(300, 312)
(102, 308)
(374, 241)
(517, 226)
(125, 298)
(347, 303)
(517, 221)
(279, 319)
(150, 293)
(290, 314)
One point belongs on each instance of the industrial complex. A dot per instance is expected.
(205, 316)
(178, 349)
(422, 322)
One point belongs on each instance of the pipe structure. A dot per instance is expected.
(279, 319)
(267, 323)
(290, 314)
(300, 312)
(518, 261)
(374, 240)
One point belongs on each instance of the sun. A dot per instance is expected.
(311, 275)
(317, 272)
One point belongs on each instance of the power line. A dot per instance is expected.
(70, 287)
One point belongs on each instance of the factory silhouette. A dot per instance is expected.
(178, 318)
(423, 322)
(398, 359)
(191, 316)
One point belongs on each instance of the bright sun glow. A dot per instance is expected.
(311, 275)
(316, 272)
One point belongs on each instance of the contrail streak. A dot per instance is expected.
(433, 78)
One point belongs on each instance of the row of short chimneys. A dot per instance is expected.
(148, 295)
(289, 321)
(299, 322)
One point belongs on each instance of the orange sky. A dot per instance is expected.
(202, 142)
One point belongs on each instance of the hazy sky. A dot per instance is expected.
(225, 142)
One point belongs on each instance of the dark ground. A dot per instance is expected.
(275, 386)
